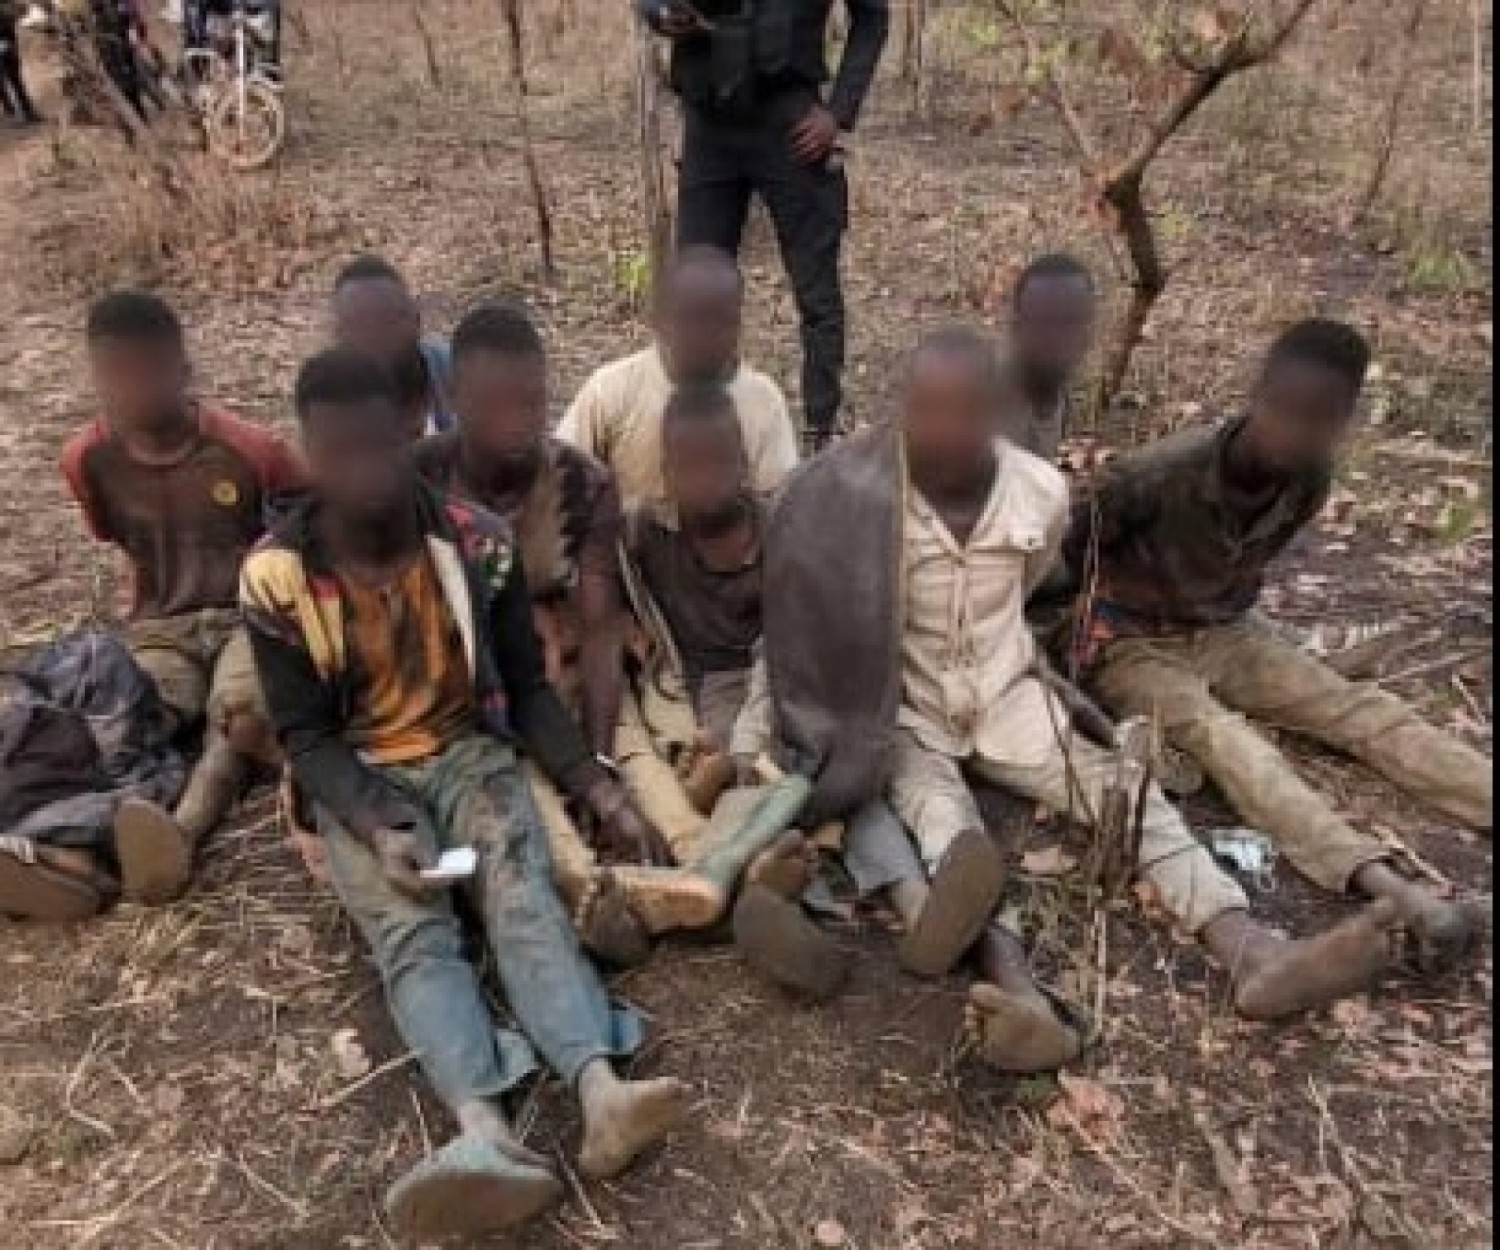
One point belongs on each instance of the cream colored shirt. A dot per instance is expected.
(617, 418)
(968, 683)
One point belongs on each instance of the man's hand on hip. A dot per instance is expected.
(815, 136)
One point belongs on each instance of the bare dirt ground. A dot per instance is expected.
(221, 1073)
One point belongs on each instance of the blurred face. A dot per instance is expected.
(378, 317)
(140, 383)
(950, 407)
(501, 401)
(356, 456)
(698, 324)
(1052, 327)
(704, 467)
(1300, 414)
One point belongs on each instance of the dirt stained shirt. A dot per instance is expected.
(617, 417)
(185, 525)
(968, 657)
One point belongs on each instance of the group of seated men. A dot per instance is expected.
(654, 673)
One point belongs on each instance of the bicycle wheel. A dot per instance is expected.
(246, 124)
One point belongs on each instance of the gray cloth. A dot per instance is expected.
(81, 730)
(475, 794)
(832, 622)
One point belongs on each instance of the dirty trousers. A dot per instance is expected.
(201, 664)
(929, 793)
(652, 724)
(474, 794)
(1199, 682)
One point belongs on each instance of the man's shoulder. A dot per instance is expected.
(1039, 479)
(1173, 452)
(750, 384)
(84, 443)
(261, 446)
(579, 465)
(618, 376)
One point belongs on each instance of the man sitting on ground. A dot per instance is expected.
(1178, 543)
(699, 308)
(183, 490)
(937, 531)
(374, 312)
(1053, 309)
(392, 630)
(694, 569)
(565, 514)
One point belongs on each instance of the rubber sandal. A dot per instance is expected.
(467, 1189)
(31, 890)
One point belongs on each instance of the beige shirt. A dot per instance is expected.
(968, 683)
(617, 418)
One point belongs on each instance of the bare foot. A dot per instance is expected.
(707, 776)
(670, 898)
(1442, 931)
(785, 867)
(779, 941)
(623, 1118)
(1277, 977)
(606, 925)
(1018, 1032)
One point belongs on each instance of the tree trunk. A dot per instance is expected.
(1392, 123)
(517, 45)
(655, 200)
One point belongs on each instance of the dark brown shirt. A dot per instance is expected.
(184, 526)
(567, 524)
(566, 519)
(715, 617)
(1177, 548)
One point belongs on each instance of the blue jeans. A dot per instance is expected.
(474, 794)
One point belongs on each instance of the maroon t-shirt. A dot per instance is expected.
(186, 525)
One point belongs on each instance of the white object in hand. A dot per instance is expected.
(453, 865)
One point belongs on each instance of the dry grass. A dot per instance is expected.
(175, 1074)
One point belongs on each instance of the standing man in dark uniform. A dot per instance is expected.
(750, 74)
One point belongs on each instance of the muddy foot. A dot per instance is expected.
(469, 1188)
(156, 856)
(1018, 1033)
(665, 899)
(710, 774)
(1290, 977)
(779, 941)
(608, 928)
(1444, 933)
(631, 1116)
(785, 867)
(965, 891)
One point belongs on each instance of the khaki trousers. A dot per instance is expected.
(1197, 683)
(930, 795)
(651, 779)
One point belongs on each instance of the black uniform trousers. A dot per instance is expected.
(724, 162)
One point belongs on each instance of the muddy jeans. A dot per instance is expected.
(931, 796)
(1197, 683)
(474, 794)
